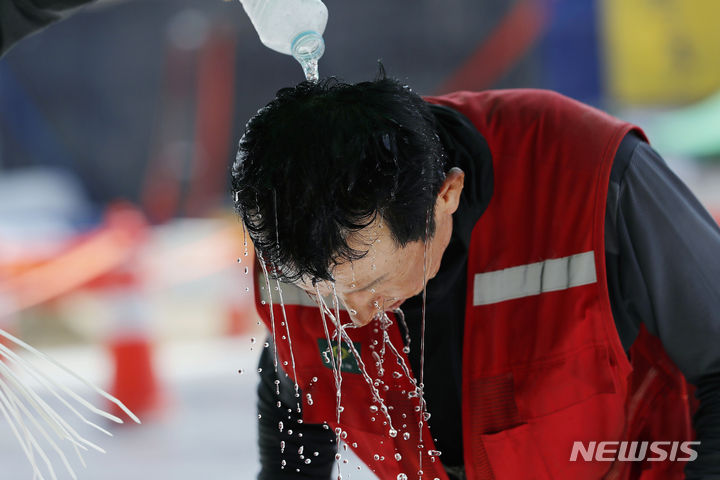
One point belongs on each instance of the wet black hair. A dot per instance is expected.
(323, 160)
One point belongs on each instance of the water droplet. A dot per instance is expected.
(239, 260)
(338, 430)
(376, 457)
(426, 416)
(372, 290)
(266, 344)
(398, 457)
(307, 461)
(406, 350)
(392, 432)
(300, 450)
(314, 379)
(280, 426)
(246, 270)
(338, 456)
(373, 408)
(434, 453)
(241, 371)
(343, 435)
(397, 374)
(259, 416)
(282, 446)
(283, 463)
(252, 339)
(315, 454)
(406, 436)
(353, 311)
(401, 476)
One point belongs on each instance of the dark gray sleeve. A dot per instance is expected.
(284, 452)
(663, 258)
(19, 18)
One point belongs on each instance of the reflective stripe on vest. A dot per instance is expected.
(534, 278)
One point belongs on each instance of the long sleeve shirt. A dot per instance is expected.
(19, 18)
(663, 271)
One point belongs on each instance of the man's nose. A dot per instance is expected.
(362, 308)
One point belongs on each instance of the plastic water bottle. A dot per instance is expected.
(292, 27)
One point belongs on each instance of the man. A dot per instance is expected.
(555, 278)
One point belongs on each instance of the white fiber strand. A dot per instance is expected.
(96, 389)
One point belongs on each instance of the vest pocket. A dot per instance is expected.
(551, 385)
(558, 402)
(512, 454)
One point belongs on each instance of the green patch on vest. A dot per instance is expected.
(349, 362)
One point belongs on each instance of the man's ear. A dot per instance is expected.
(449, 195)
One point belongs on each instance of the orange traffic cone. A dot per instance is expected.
(135, 382)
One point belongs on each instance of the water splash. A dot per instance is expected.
(272, 315)
(289, 339)
(400, 315)
(337, 372)
(311, 70)
(422, 341)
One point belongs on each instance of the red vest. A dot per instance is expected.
(543, 366)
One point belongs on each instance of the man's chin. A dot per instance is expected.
(360, 322)
(395, 305)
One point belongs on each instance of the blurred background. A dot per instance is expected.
(118, 248)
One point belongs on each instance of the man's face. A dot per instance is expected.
(388, 275)
(383, 279)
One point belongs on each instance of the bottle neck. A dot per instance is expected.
(307, 48)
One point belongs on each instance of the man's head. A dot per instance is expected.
(326, 172)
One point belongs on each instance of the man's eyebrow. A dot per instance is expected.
(373, 283)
